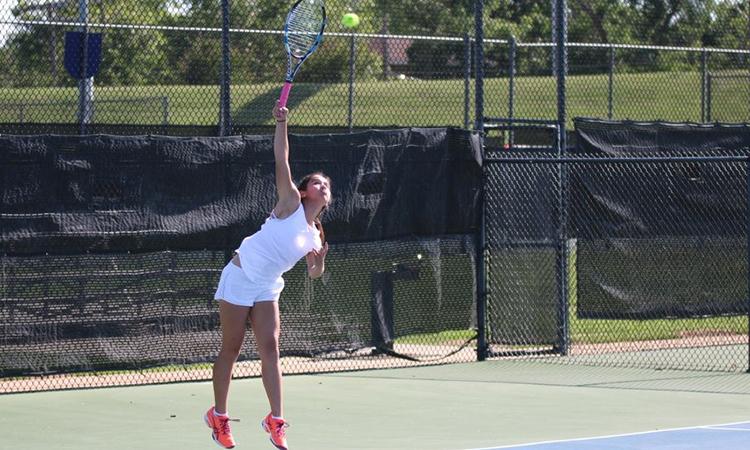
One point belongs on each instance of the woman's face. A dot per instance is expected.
(319, 187)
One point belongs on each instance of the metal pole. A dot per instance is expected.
(704, 58)
(352, 60)
(481, 235)
(53, 46)
(511, 88)
(610, 88)
(479, 71)
(561, 58)
(225, 107)
(709, 96)
(85, 85)
(467, 80)
(747, 250)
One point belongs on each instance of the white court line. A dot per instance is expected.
(726, 429)
(717, 426)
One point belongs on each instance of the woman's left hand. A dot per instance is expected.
(319, 256)
(316, 261)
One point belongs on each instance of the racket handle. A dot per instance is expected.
(284, 94)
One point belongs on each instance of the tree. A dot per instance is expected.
(672, 22)
(600, 21)
(137, 56)
(731, 25)
(129, 56)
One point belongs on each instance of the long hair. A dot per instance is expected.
(302, 186)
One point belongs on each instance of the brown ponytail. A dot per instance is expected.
(301, 186)
(319, 226)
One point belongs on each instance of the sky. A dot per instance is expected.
(5, 7)
(175, 6)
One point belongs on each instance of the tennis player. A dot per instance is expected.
(251, 283)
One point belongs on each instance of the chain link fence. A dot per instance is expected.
(625, 261)
(165, 71)
(111, 254)
(175, 69)
(625, 82)
(187, 70)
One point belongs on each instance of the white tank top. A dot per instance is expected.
(277, 246)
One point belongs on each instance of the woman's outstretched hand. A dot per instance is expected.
(280, 114)
(316, 261)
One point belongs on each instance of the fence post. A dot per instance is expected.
(481, 235)
(704, 61)
(467, 79)
(709, 96)
(610, 89)
(561, 59)
(225, 109)
(747, 248)
(352, 59)
(511, 88)
(85, 85)
(479, 67)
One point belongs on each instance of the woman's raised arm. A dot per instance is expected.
(289, 198)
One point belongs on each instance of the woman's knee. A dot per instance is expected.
(268, 346)
(231, 348)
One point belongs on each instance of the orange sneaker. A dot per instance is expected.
(277, 428)
(221, 434)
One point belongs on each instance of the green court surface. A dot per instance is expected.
(459, 406)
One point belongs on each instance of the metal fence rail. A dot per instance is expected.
(223, 75)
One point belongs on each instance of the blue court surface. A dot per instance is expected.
(731, 436)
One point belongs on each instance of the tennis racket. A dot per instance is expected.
(303, 32)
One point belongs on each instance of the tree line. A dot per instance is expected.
(32, 54)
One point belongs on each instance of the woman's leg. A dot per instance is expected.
(233, 325)
(264, 318)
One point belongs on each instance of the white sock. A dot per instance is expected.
(276, 418)
(218, 414)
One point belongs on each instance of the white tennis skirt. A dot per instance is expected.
(236, 288)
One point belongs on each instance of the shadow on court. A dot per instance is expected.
(460, 406)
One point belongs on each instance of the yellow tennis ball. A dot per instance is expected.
(350, 20)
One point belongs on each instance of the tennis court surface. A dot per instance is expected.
(483, 405)
(725, 436)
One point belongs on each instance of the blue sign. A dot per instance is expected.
(74, 54)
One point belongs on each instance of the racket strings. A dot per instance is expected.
(305, 24)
